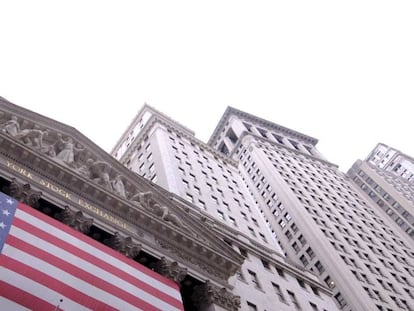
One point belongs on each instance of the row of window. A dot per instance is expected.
(337, 197)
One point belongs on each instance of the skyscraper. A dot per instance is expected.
(158, 148)
(266, 184)
(386, 176)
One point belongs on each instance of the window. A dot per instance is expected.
(313, 306)
(254, 279)
(197, 189)
(304, 260)
(189, 197)
(340, 299)
(301, 283)
(243, 252)
(220, 214)
(315, 290)
(319, 266)
(252, 231)
(186, 184)
(279, 292)
(294, 300)
(232, 221)
(280, 272)
(154, 179)
(310, 252)
(202, 204)
(251, 306)
(296, 247)
(265, 264)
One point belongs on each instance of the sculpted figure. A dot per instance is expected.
(83, 169)
(164, 212)
(67, 153)
(100, 173)
(11, 127)
(75, 219)
(50, 151)
(32, 137)
(24, 193)
(118, 186)
(144, 198)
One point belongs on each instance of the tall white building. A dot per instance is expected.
(168, 154)
(386, 176)
(392, 160)
(283, 206)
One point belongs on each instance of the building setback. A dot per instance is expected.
(255, 176)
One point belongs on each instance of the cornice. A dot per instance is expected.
(257, 139)
(244, 115)
(140, 113)
(153, 121)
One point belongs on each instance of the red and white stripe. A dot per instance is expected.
(44, 261)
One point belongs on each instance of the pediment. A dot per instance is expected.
(67, 167)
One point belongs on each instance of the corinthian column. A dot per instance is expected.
(209, 297)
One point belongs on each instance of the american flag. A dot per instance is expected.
(45, 265)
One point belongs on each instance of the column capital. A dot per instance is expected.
(170, 270)
(207, 294)
(124, 245)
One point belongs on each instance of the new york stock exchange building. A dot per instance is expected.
(91, 234)
(56, 170)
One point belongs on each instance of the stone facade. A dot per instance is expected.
(57, 170)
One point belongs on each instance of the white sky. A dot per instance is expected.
(340, 71)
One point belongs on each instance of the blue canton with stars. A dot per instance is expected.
(7, 210)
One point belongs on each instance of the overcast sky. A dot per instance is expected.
(340, 71)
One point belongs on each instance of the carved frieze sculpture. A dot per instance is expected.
(143, 198)
(24, 193)
(165, 214)
(119, 187)
(207, 294)
(33, 138)
(146, 200)
(124, 245)
(75, 219)
(66, 151)
(170, 270)
(99, 172)
(11, 127)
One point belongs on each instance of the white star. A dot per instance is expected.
(10, 201)
(6, 212)
(2, 225)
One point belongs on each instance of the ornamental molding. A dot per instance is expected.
(75, 219)
(24, 193)
(124, 245)
(248, 117)
(170, 269)
(208, 293)
(155, 120)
